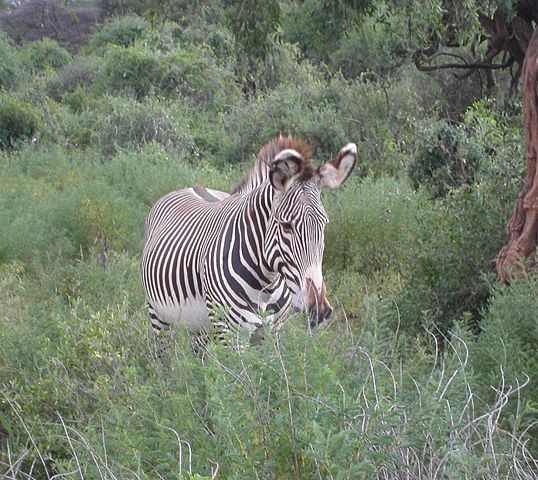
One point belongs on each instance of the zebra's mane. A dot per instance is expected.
(260, 171)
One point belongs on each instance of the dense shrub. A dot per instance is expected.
(445, 159)
(372, 226)
(119, 123)
(122, 31)
(365, 49)
(9, 64)
(460, 236)
(82, 72)
(505, 354)
(92, 374)
(203, 30)
(456, 244)
(18, 122)
(189, 71)
(310, 25)
(44, 54)
(134, 69)
(38, 225)
(275, 70)
(55, 207)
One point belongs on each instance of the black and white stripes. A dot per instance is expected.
(218, 263)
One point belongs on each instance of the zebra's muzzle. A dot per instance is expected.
(318, 307)
(318, 316)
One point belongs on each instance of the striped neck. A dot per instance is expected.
(256, 229)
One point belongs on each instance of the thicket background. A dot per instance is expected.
(429, 367)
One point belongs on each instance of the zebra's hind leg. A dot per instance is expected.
(156, 322)
(161, 346)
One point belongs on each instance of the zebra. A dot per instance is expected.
(220, 263)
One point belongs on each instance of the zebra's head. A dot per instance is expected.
(298, 223)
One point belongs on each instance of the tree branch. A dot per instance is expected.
(467, 66)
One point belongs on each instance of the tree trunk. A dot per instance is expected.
(522, 228)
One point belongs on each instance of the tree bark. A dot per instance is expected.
(522, 228)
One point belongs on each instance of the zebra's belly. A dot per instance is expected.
(193, 314)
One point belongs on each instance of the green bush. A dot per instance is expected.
(365, 50)
(369, 242)
(18, 122)
(43, 54)
(121, 123)
(55, 207)
(372, 226)
(135, 70)
(505, 354)
(328, 114)
(189, 71)
(194, 73)
(312, 26)
(446, 159)
(82, 72)
(122, 31)
(456, 244)
(215, 35)
(459, 236)
(40, 225)
(9, 64)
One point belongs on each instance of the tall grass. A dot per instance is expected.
(336, 404)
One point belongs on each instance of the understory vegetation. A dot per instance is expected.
(427, 369)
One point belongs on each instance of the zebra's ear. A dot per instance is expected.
(334, 173)
(283, 169)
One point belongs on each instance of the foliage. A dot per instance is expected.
(371, 250)
(364, 49)
(44, 54)
(446, 159)
(318, 26)
(378, 239)
(80, 73)
(9, 64)
(328, 114)
(58, 206)
(18, 122)
(505, 355)
(461, 235)
(122, 31)
(189, 71)
(120, 123)
(133, 69)
(254, 26)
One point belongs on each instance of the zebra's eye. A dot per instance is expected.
(287, 227)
